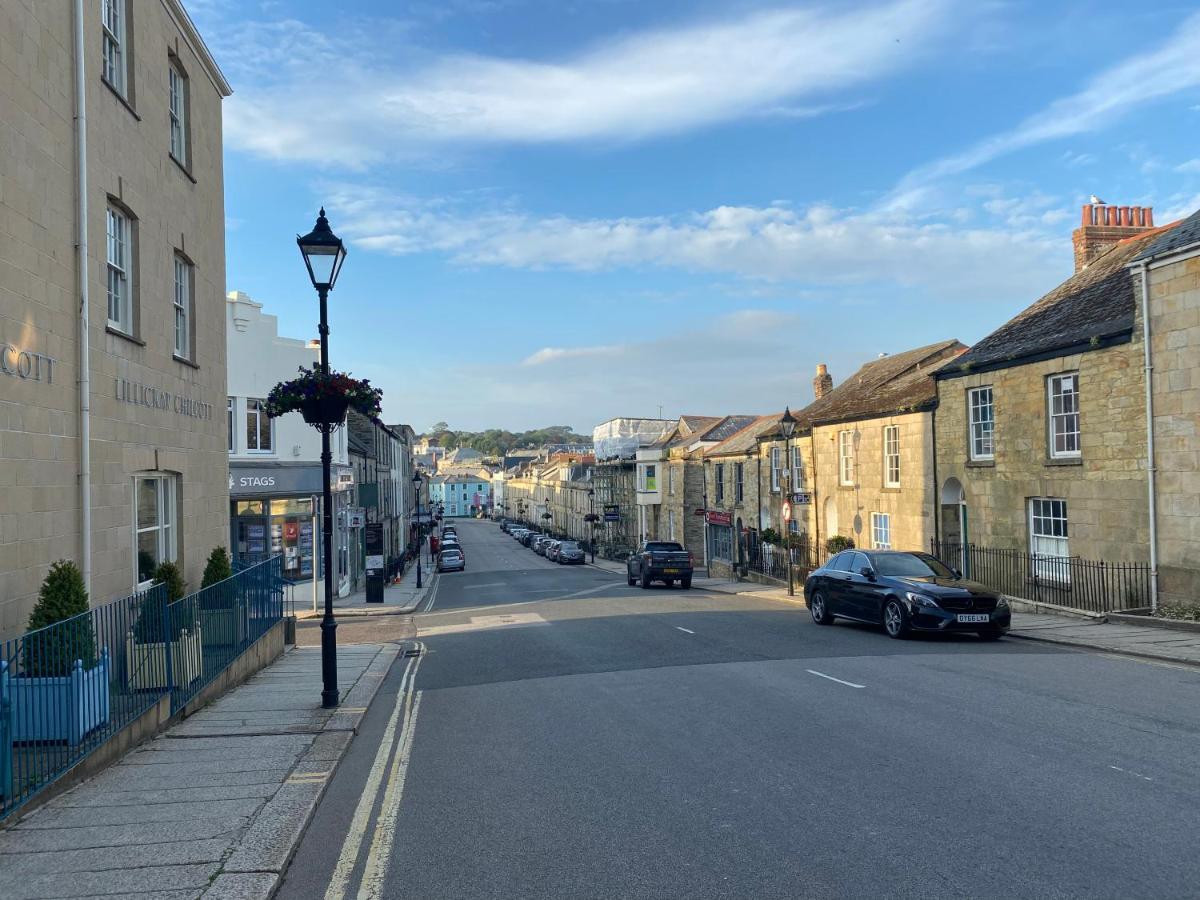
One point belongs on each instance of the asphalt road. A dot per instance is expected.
(563, 735)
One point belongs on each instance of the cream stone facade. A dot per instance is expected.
(157, 394)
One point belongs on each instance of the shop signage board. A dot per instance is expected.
(256, 479)
(374, 541)
(712, 517)
(612, 512)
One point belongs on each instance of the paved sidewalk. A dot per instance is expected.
(213, 808)
(1147, 641)
(397, 598)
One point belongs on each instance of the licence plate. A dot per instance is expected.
(969, 618)
(671, 571)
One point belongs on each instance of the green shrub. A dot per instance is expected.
(62, 597)
(150, 627)
(770, 536)
(168, 573)
(217, 568)
(838, 543)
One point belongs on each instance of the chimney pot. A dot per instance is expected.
(823, 383)
(1125, 220)
(1104, 225)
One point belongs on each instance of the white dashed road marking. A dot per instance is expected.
(831, 678)
(684, 630)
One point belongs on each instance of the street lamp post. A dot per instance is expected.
(787, 425)
(420, 538)
(592, 520)
(324, 254)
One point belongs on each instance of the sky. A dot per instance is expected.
(561, 211)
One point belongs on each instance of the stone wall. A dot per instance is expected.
(1175, 344)
(1105, 488)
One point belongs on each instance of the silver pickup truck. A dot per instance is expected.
(664, 561)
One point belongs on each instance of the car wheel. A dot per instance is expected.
(820, 609)
(686, 583)
(991, 635)
(629, 579)
(645, 581)
(895, 619)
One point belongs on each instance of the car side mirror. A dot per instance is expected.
(868, 573)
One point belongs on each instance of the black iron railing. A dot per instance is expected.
(772, 561)
(1090, 585)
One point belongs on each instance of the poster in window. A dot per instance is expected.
(256, 531)
(291, 531)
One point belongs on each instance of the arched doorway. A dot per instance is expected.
(955, 532)
(831, 517)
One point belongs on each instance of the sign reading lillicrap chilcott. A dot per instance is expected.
(145, 395)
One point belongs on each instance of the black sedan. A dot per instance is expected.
(903, 592)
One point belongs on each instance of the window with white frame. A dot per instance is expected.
(230, 405)
(183, 307)
(881, 531)
(846, 457)
(670, 524)
(1063, 403)
(113, 54)
(120, 270)
(793, 525)
(891, 456)
(797, 471)
(177, 88)
(983, 421)
(154, 524)
(739, 486)
(776, 468)
(1048, 538)
(258, 427)
(671, 480)
(719, 475)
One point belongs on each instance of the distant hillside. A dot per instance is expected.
(498, 441)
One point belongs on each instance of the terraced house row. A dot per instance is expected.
(1060, 453)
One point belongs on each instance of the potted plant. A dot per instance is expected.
(61, 692)
(162, 627)
(222, 618)
(838, 543)
(322, 399)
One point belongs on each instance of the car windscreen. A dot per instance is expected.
(911, 565)
(663, 545)
(568, 545)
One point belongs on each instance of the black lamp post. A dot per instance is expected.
(592, 521)
(324, 254)
(787, 425)
(420, 537)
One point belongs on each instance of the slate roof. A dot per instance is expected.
(1185, 233)
(746, 438)
(900, 382)
(1092, 309)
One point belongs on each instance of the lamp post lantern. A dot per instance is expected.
(324, 253)
(787, 425)
(420, 529)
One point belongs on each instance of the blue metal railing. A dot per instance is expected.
(67, 688)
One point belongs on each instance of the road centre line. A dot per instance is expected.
(473, 587)
(686, 630)
(352, 846)
(831, 678)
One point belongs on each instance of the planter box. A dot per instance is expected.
(60, 708)
(147, 663)
(224, 626)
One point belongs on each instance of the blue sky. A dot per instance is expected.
(559, 211)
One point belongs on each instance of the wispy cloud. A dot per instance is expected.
(558, 354)
(790, 60)
(1169, 69)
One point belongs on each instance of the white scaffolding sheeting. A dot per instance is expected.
(623, 437)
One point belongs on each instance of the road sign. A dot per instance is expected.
(612, 512)
(802, 498)
(787, 511)
(356, 517)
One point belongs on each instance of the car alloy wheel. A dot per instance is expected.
(895, 619)
(820, 612)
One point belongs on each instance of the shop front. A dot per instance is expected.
(275, 510)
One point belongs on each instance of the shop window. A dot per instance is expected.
(155, 524)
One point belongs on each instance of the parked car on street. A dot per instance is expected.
(538, 545)
(664, 561)
(552, 550)
(451, 561)
(518, 533)
(903, 592)
(528, 537)
(452, 543)
(569, 553)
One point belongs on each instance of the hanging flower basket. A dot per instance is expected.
(323, 399)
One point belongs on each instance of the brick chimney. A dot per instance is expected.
(823, 383)
(1105, 225)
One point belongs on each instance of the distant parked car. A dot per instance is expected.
(569, 554)
(451, 561)
(552, 550)
(903, 592)
(517, 533)
(664, 561)
(539, 544)
(529, 537)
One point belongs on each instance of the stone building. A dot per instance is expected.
(1169, 269)
(112, 286)
(553, 495)
(1041, 426)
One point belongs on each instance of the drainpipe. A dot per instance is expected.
(84, 335)
(1151, 469)
(937, 491)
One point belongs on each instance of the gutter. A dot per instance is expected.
(1151, 469)
(84, 332)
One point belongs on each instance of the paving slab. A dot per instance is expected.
(213, 808)
(1145, 642)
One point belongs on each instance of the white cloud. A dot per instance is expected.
(1192, 166)
(819, 246)
(645, 84)
(1172, 67)
(558, 354)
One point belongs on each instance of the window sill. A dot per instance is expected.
(124, 335)
(185, 361)
(1064, 461)
(124, 100)
(182, 168)
(981, 464)
(847, 487)
(890, 489)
